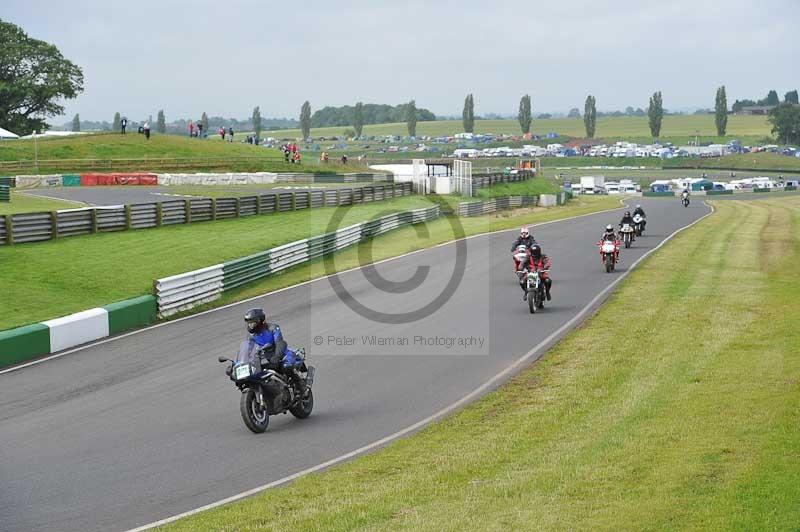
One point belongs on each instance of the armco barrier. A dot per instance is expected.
(658, 194)
(478, 208)
(789, 188)
(762, 190)
(24, 343)
(184, 291)
(71, 180)
(5, 193)
(718, 192)
(88, 180)
(35, 227)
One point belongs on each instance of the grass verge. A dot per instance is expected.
(26, 203)
(531, 187)
(686, 417)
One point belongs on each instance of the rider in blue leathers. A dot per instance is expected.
(269, 337)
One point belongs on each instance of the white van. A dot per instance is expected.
(612, 187)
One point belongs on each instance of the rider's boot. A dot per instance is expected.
(547, 286)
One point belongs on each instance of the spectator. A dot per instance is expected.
(191, 129)
(146, 128)
(230, 134)
(123, 124)
(286, 153)
(344, 159)
(222, 132)
(200, 130)
(296, 156)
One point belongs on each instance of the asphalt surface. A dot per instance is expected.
(92, 196)
(147, 426)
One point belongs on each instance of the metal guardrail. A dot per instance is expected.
(478, 208)
(35, 227)
(482, 181)
(184, 291)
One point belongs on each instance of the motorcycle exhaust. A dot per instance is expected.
(310, 376)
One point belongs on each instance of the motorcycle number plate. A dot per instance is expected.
(243, 371)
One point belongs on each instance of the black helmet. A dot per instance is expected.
(255, 319)
(536, 252)
(627, 213)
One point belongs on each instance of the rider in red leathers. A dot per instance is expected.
(539, 261)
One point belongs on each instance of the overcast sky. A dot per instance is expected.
(226, 56)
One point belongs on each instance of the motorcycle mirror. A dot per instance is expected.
(223, 359)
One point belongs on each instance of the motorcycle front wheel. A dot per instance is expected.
(609, 263)
(254, 416)
(303, 409)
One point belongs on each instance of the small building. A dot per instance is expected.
(756, 110)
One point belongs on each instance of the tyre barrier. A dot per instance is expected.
(184, 291)
(24, 343)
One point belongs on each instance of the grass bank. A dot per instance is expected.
(686, 418)
(531, 187)
(56, 278)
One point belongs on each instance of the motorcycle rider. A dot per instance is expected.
(539, 261)
(627, 219)
(638, 210)
(269, 337)
(685, 195)
(610, 236)
(526, 239)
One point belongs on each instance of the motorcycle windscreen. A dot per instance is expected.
(248, 351)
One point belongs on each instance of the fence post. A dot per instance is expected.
(294, 201)
(94, 220)
(159, 214)
(238, 207)
(127, 217)
(213, 208)
(9, 230)
(338, 196)
(258, 204)
(187, 210)
(54, 223)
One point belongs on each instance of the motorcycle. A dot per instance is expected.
(638, 224)
(627, 235)
(535, 290)
(265, 391)
(609, 253)
(685, 200)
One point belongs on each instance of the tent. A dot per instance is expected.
(702, 184)
(5, 134)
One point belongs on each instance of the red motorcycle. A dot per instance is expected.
(609, 253)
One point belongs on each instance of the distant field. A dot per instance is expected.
(683, 126)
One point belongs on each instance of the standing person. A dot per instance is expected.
(191, 129)
(230, 134)
(146, 129)
(123, 124)
(286, 153)
(221, 132)
(200, 130)
(344, 159)
(297, 157)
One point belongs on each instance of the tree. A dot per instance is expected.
(574, 113)
(524, 115)
(117, 125)
(161, 122)
(772, 98)
(305, 119)
(76, 123)
(257, 121)
(34, 78)
(411, 118)
(358, 119)
(590, 116)
(739, 104)
(791, 97)
(721, 112)
(655, 114)
(785, 120)
(468, 115)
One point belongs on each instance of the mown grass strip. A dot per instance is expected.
(677, 406)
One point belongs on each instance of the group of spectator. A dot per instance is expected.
(291, 154)
(323, 158)
(228, 132)
(195, 130)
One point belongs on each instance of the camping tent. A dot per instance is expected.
(702, 184)
(5, 134)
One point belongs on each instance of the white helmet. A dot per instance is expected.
(609, 227)
(638, 206)
(524, 231)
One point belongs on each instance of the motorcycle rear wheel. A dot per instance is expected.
(304, 407)
(255, 418)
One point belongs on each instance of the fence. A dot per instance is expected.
(187, 290)
(35, 227)
(478, 208)
(482, 181)
(5, 194)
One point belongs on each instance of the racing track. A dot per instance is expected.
(146, 426)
